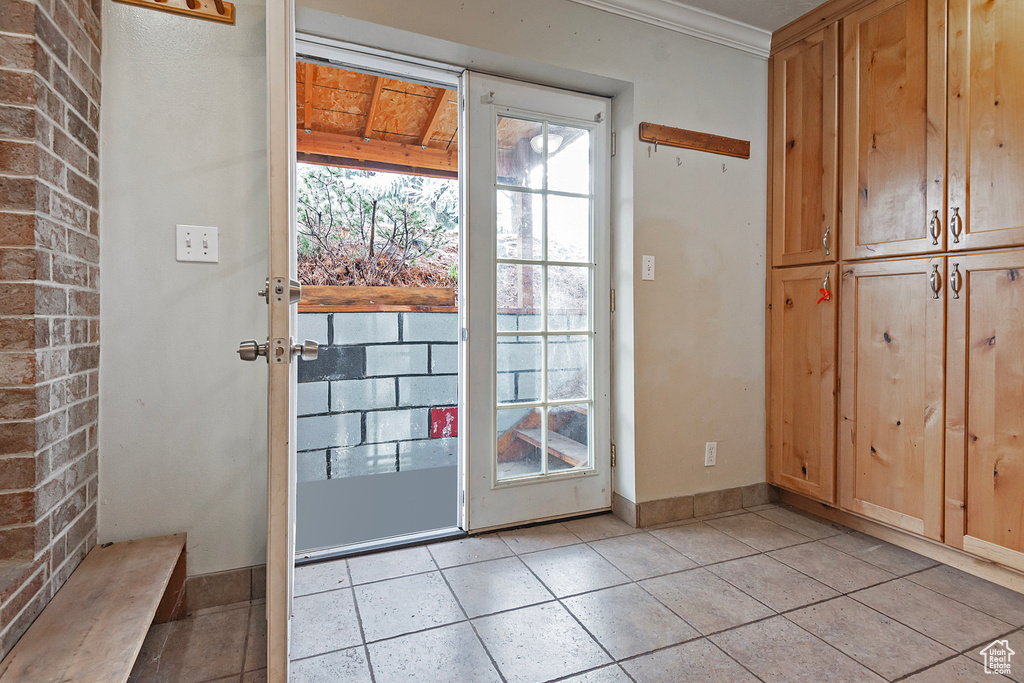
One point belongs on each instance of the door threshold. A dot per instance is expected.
(390, 543)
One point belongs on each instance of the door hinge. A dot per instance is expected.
(465, 334)
(613, 144)
(613, 455)
(613, 301)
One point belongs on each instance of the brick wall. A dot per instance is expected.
(49, 299)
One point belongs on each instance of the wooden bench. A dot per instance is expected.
(94, 626)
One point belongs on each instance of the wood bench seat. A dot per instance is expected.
(94, 626)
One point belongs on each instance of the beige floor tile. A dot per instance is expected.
(959, 670)
(951, 623)
(698, 660)
(449, 653)
(404, 605)
(801, 522)
(539, 643)
(390, 564)
(324, 622)
(891, 558)
(774, 584)
(764, 506)
(1015, 641)
(831, 567)
(705, 601)
(573, 569)
(606, 674)
(345, 665)
(627, 621)
(539, 538)
(599, 527)
(779, 650)
(703, 544)
(873, 639)
(984, 596)
(720, 515)
(256, 642)
(317, 578)
(641, 556)
(757, 532)
(197, 648)
(467, 550)
(259, 676)
(495, 586)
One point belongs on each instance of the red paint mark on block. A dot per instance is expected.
(444, 422)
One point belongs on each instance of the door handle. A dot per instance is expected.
(824, 239)
(294, 290)
(935, 280)
(307, 350)
(251, 350)
(956, 225)
(934, 228)
(955, 281)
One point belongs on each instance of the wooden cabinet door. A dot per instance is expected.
(986, 124)
(804, 150)
(893, 123)
(803, 381)
(891, 392)
(985, 407)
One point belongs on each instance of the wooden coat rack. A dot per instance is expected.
(690, 139)
(213, 10)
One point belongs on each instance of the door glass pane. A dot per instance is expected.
(568, 229)
(568, 298)
(520, 216)
(568, 159)
(520, 153)
(519, 443)
(519, 362)
(521, 294)
(568, 367)
(568, 437)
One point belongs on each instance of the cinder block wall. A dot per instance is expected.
(49, 299)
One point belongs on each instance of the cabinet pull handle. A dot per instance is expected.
(828, 276)
(936, 281)
(934, 228)
(824, 239)
(956, 225)
(955, 280)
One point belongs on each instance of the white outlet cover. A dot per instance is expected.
(710, 454)
(196, 243)
(647, 267)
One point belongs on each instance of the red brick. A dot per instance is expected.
(50, 235)
(17, 404)
(51, 36)
(44, 62)
(16, 508)
(18, 627)
(80, 531)
(51, 428)
(81, 414)
(69, 271)
(18, 193)
(17, 229)
(16, 298)
(65, 85)
(84, 247)
(17, 334)
(42, 330)
(29, 590)
(70, 151)
(67, 210)
(18, 158)
(17, 264)
(51, 364)
(17, 87)
(94, 216)
(79, 331)
(51, 169)
(85, 303)
(81, 131)
(84, 358)
(18, 472)
(17, 122)
(51, 300)
(18, 369)
(17, 16)
(83, 189)
(16, 438)
(17, 543)
(43, 266)
(17, 52)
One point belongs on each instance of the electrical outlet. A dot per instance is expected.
(196, 243)
(710, 453)
(647, 268)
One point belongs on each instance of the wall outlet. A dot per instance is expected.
(196, 243)
(710, 453)
(647, 268)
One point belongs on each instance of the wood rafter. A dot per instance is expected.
(378, 151)
(371, 114)
(435, 114)
(307, 119)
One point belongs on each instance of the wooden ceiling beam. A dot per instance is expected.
(307, 90)
(371, 114)
(377, 151)
(440, 99)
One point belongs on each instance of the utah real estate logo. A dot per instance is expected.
(997, 657)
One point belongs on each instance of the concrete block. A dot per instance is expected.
(312, 398)
(359, 461)
(333, 362)
(444, 359)
(313, 326)
(428, 391)
(363, 394)
(567, 354)
(506, 387)
(508, 322)
(518, 355)
(365, 328)
(312, 466)
(402, 359)
(529, 323)
(440, 327)
(420, 455)
(397, 425)
(528, 386)
(329, 431)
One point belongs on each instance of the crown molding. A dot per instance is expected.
(690, 21)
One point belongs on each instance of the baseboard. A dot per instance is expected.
(624, 509)
(940, 552)
(203, 591)
(679, 508)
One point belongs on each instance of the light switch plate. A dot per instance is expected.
(197, 243)
(647, 268)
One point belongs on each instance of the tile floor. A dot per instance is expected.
(765, 594)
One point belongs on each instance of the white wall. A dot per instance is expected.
(182, 420)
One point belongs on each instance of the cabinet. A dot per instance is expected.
(986, 124)
(985, 406)
(891, 400)
(803, 382)
(804, 150)
(893, 129)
